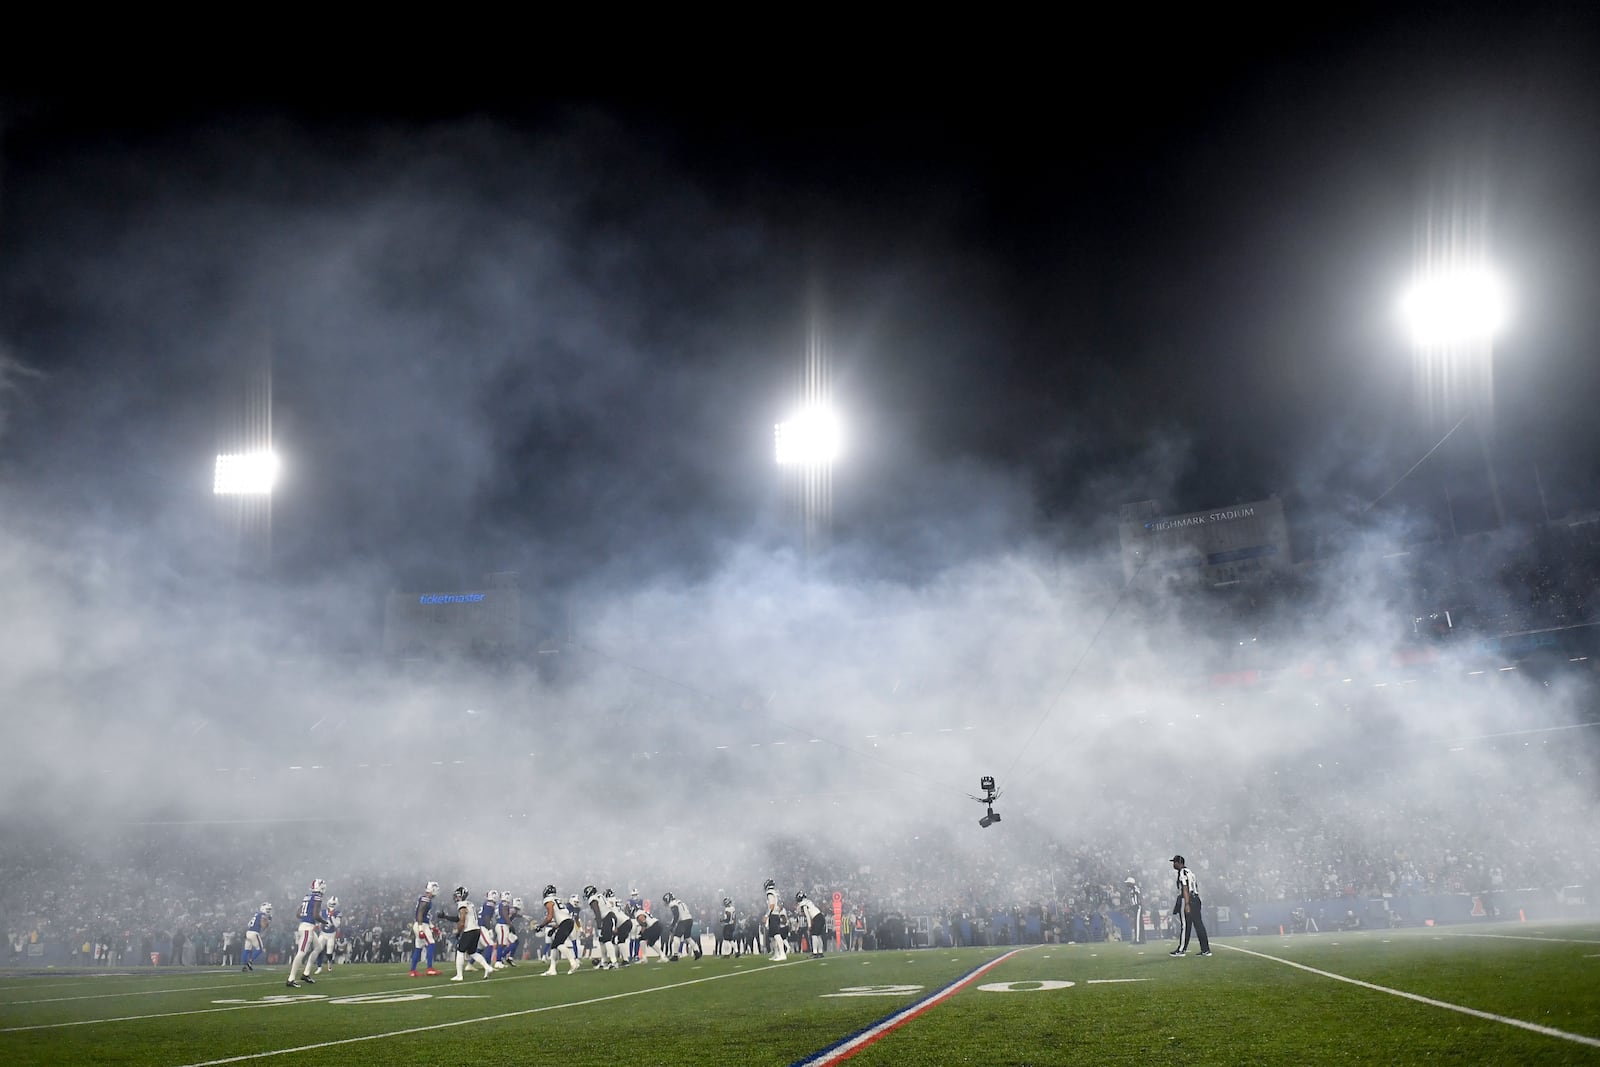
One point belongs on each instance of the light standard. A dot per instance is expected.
(808, 443)
(248, 478)
(1453, 310)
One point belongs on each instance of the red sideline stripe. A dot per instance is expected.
(884, 1027)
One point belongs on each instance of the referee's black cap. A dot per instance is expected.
(1176, 859)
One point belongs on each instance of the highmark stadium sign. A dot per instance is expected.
(451, 598)
(1159, 525)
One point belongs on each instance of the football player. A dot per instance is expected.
(634, 906)
(312, 916)
(814, 922)
(622, 932)
(652, 936)
(468, 934)
(422, 929)
(511, 908)
(775, 923)
(326, 936)
(730, 928)
(604, 907)
(682, 927)
(254, 932)
(560, 924)
(488, 911)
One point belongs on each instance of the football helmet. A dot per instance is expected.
(461, 893)
(431, 888)
(770, 884)
(505, 894)
(318, 885)
(798, 897)
(266, 907)
(549, 890)
(333, 902)
(666, 898)
(494, 896)
(590, 892)
(609, 895)
(727, 902)
(516, 902)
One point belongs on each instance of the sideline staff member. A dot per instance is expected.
(1188, 906)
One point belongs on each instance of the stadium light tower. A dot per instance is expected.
(809, 443)
(245, 473)
(1454, 309)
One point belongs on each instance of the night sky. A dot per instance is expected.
(548, 329)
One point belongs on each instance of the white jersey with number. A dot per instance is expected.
(471, 921)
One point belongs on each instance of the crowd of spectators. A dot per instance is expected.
(182, 894)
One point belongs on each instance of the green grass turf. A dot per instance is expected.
(1234, 1008)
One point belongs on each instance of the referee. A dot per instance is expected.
(1188, 906)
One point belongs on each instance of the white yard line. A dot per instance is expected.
(141, 992)
(1548, 1031)
(305, 998)
(471, 1022)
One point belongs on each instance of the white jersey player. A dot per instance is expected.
(561, 924)
(813, 921)
(682, 926)
(468, 935)
(780, 944)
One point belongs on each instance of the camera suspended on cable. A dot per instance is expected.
(986, 783)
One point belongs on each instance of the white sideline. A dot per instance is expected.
(1548, 1031)
(474, 1021)
(1530, 937)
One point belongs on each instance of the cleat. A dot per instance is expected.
(413, 974)
(1177, 952)
(292, 984)
(499, 966)
(307, 979)
(1205, 952)
(457, 978)
(429, 971)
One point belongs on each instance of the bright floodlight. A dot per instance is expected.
(811, 438)
(1455, 307)
(245, 474)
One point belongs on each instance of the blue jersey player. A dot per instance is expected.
(327, 935)
(253, 934)
(312, 915)
(422, 929)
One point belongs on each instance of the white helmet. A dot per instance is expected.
(505, 894)
(266, 907)
(333, 902)
(432, 888)
(494, 895)
(516, 902)
(318, 885)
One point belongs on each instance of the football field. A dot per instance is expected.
(1501, 994)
